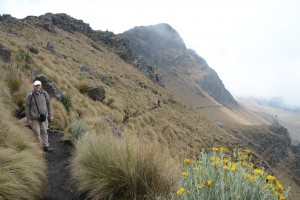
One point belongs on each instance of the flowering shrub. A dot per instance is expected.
(221, 174)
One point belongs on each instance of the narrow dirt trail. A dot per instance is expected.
(59, 176)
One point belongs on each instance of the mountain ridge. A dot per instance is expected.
(174, 124)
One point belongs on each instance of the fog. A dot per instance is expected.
(254, 46)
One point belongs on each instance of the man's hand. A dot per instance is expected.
(50, 118)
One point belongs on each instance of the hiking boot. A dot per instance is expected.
(48, 149)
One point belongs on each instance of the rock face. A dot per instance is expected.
(5, 54)
(50, 87)
(212, 84)
(160, 46)
(151, 42)
(68, 23)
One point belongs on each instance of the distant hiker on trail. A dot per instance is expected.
(38, 111)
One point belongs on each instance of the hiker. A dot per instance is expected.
(38, 112)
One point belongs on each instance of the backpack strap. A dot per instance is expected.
(32, 95)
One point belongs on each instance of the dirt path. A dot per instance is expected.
(59, 176)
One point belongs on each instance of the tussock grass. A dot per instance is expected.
(22, 167)
(107, 167)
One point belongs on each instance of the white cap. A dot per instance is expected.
(37, 83)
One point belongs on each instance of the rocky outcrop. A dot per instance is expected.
(296, 151)
(154, 43)
(49, 86)
(162, 47)
(50, 47)
(68, 23)
(213, 85)
(5, 54)
(270, 143)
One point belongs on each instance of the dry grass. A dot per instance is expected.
(22, 167)
(108, 167)
(183, 130)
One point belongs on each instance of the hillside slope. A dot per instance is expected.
(78, 59)
(185, 74)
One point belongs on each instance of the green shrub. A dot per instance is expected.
(219, 175)
(106, 167)
(25, 58)
(77, 129)
(67, 101)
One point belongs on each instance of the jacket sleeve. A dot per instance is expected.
(27, 106)
(49, 106)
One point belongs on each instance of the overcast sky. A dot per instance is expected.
(254, 45)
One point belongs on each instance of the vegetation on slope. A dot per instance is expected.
(128, 93)
(23, 170)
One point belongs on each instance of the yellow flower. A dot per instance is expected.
(258, 171)
(207, 182)
(233, 167)
(226, 167)
(279, 186)
(199, 162)
(199, 186)
(180, 191)
(196, 168)
(271, 178)
(251, 164)
(247, 150)
(273, 190)
(184, 173)
(215, 149)
(281, 197)
(187, 161)
(251, 177)
(243, 163)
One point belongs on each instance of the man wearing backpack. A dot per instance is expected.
(38, 111)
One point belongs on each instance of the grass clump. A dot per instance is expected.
(77, 130)
(107, 167)
(67, 101)
(22, 167)
(25, 58)
(223, 175)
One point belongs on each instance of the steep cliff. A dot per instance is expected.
(162, 47)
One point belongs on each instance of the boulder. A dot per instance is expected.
(86, 69)
(49, 27)
(5, 54)
(96, 93)
(49, 86)
(50, 47)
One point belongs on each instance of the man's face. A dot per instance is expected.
(37, 87)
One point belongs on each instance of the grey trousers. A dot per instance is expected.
(40, 129)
